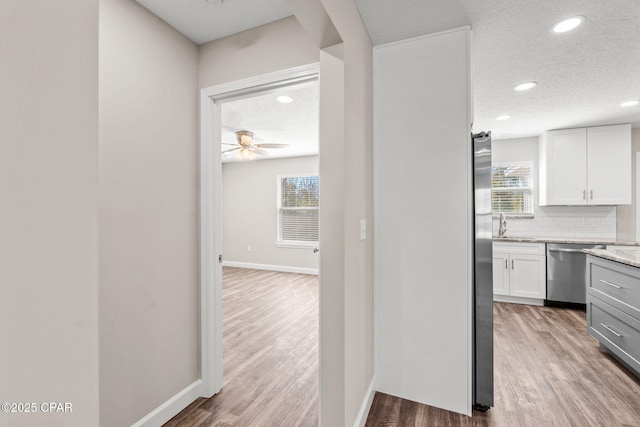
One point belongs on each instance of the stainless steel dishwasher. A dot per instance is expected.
(566, 273)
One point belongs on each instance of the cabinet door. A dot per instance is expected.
(566, 167)
(609, 165)
(500, 274)
(528, 276)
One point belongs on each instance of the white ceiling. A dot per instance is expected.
(582, 76)
(388, 21)
(206, 20)
(295, 123)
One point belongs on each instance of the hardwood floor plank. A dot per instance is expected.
(548, 372)
(270, 328)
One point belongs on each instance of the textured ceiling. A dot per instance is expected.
(203, 21)
(295, 123)
(392, 20)
(582, 76)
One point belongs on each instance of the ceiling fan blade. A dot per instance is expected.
(260, 151)
(229, 150)
(271, 145)
(228, 143)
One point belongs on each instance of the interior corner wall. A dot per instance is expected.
(358, 283)
(48, 210)
(423, 205)
(271, 47)
(358, 195)
(346, 176)
(332, 252)
(148, 213)
(250, 217)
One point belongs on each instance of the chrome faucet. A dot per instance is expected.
(503, 225)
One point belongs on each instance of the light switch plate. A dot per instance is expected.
(363, 229)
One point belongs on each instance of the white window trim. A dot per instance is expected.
(531, 188)
(292, 244)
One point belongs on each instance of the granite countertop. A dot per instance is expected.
(628, 257)
(578, 240)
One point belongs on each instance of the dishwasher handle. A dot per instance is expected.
(565, 250)
(572, 250)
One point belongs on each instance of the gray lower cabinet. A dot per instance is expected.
(613, 308)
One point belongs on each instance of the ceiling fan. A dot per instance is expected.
(246, 149)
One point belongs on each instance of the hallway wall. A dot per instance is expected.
(149, 202)
(48, 209)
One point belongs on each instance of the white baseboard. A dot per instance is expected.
(171, 407)
(282, 268)
(366, 405)
(518, 300)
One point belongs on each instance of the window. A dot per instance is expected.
(298, 203)
(512, 189)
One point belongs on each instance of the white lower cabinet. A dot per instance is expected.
(519, 272)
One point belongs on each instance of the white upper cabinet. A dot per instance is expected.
(566, 167)
(586, 166)
(609, 165)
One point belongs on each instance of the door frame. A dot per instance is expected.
(211, 351)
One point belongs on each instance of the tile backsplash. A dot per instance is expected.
(564, 221)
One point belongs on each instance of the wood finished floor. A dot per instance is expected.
(270, 330)
(548, 372)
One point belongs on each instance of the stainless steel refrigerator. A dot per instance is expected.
(482, 273)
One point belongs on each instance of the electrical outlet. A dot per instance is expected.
(249, 248)
(363, 229)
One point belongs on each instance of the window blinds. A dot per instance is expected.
(512, 189)
(298, 210)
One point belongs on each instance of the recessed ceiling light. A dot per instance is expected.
(284, 99)
(503, 117)
(630, 103)
(568, 24)
(525, 86)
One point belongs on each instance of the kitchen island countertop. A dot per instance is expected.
(627, 257)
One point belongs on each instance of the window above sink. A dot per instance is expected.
(512, 189)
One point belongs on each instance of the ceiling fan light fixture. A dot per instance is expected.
(246, 154)
(245, 137)
(568, 24)
(505, 117)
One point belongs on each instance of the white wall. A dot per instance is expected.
(551, 221)
(149, 234)
(276, 46)
(353, 197)
(250, 217)
(423, 203)
(48, 209)
(628, 223)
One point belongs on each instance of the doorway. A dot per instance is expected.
(213, 125)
